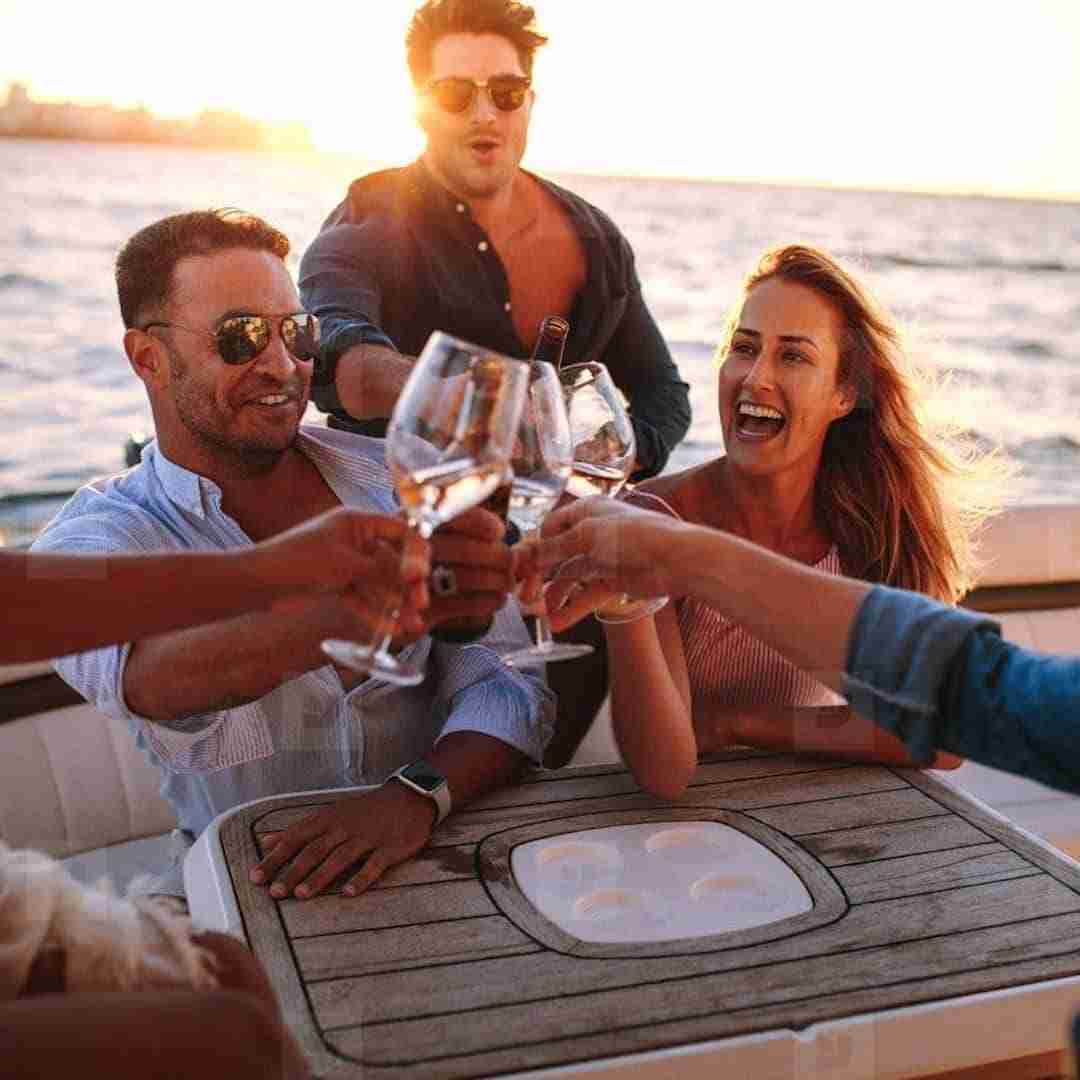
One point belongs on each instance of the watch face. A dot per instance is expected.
(423, 776)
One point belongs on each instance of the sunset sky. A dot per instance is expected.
(931, 94)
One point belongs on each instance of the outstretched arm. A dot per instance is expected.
(833, 730)
(359, 373)
(799, 611)
(934, 676)
(61, 604)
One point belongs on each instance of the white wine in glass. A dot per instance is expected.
(541, 464)
(587, 479)
(448, 448)
(604, 455)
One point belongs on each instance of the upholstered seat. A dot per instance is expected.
(75, 786)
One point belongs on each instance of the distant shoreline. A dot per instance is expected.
(163, 141)
(564, 174)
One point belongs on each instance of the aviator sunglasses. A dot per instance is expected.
(241, 338)
(455, 94)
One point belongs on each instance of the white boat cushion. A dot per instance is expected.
(74, 781)
(136, 861)
(1031, 545)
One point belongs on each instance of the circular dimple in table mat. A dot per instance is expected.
(650, 882)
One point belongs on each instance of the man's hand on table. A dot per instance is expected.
(382, 827)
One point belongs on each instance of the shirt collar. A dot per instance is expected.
(185, 488)
(430, 193)
(199, 495)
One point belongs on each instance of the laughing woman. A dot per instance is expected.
(826, 462)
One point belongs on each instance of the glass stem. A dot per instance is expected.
(382, 648)
(542, 634)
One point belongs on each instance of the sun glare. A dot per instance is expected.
(927, 94)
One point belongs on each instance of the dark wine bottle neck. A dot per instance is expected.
(551, 340)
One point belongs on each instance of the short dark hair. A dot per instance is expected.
(437, 18)
(145, 264)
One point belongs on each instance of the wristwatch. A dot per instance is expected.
(426, 780)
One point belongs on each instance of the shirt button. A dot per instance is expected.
(460, 208)
(482, 246)
(506, 306)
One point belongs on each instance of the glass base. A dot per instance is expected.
(629, 610)
(547, 654)
(369, 661)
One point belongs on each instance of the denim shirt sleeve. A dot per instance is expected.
(900, 656)
(339, 283)
(943, 678)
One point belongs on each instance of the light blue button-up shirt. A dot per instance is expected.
(309, 732)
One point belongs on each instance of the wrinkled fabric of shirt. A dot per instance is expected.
(309, 733)
(401, 257)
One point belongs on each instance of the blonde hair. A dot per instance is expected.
(902, 500)
(109, 942)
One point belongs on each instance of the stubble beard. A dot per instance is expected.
(457, 173)
(207, 428)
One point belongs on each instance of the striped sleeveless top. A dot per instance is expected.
(729, 668)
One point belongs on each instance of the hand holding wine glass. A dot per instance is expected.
(604, 455)
(448, 448)
(541, 462)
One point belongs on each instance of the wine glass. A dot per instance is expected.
(604, 453)
(541, 464)
(448, 448)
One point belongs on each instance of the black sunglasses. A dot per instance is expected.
(241, 338)
(455, 95)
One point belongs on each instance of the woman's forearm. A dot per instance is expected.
(650, 706)
(834, 730)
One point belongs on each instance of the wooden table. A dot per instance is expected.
(941, 938)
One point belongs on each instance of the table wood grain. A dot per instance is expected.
(444, 970)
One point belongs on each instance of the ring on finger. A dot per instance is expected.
(443, 581)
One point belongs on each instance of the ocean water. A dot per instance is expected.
(988, 289)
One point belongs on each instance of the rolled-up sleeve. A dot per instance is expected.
(484, 694)
(340, 283)
(901, 656)
(944, 679)
(190, 744)
(1015, 709)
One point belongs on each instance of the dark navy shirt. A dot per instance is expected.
(402, 256)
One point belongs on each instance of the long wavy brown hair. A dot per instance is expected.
(902, 501)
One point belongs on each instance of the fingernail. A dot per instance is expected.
(279, 891)
(303, 891)
(348, 890)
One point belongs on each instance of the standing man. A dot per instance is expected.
(464, 240)
(249, 707)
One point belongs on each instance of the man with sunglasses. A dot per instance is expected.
(464, 240)
(250, 707)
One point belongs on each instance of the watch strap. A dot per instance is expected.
(439, 795)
